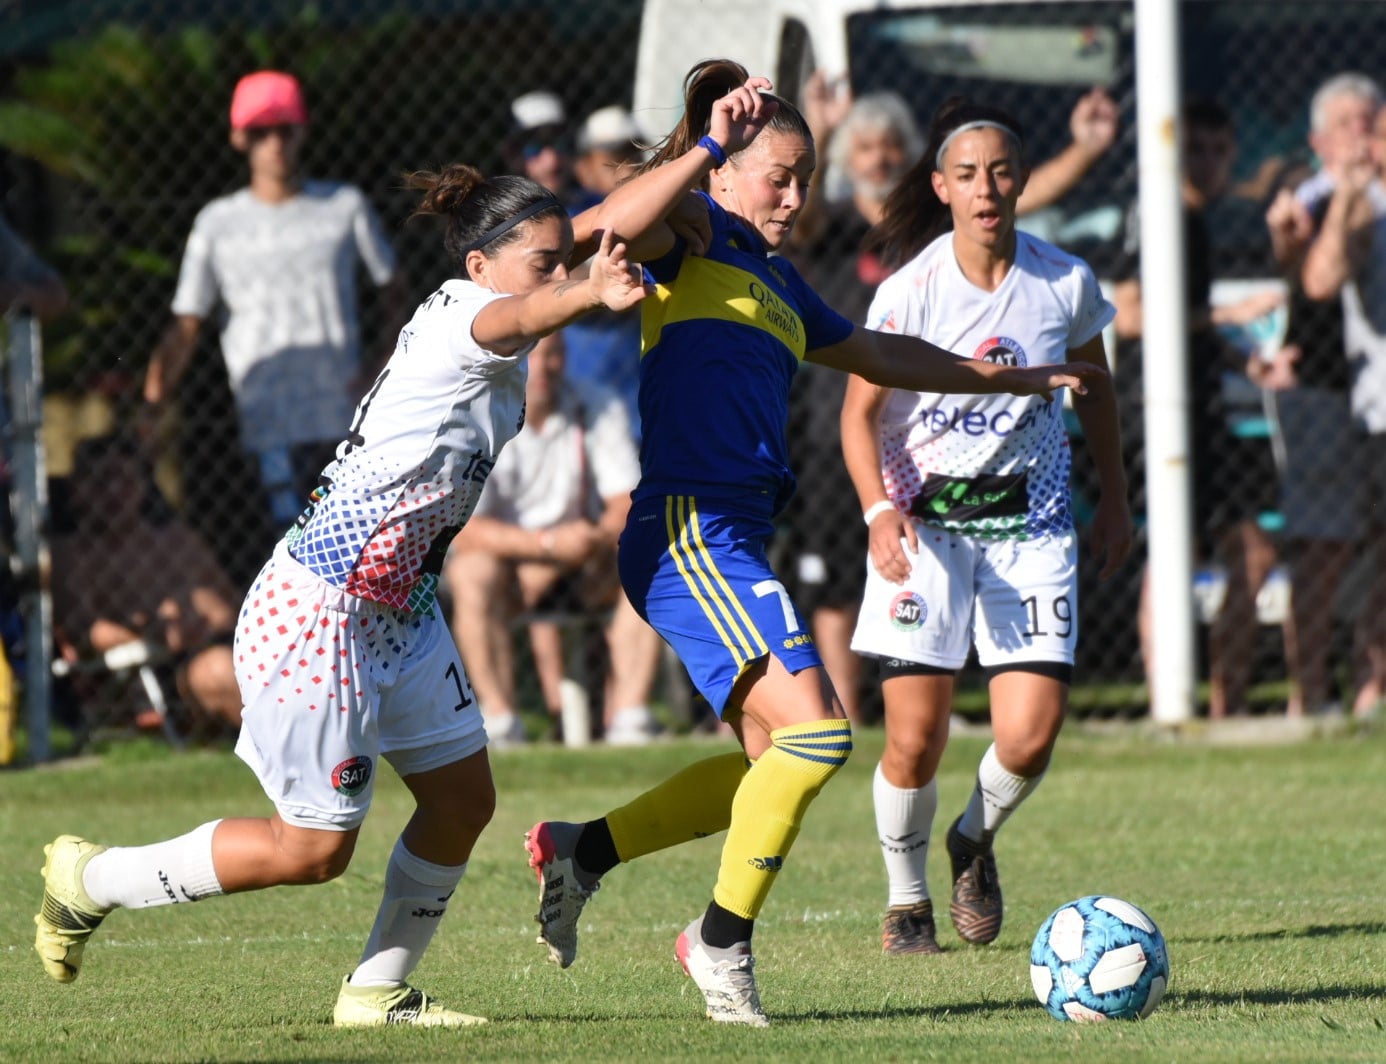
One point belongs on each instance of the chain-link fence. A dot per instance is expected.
(114, 132)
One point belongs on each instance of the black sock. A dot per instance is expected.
(723, 929)
(595, 852)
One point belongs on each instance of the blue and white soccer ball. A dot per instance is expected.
(1099, 958)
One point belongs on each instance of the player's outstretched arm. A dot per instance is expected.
(611, 281)
(907, 362)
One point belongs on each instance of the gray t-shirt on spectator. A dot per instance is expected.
(284, 275)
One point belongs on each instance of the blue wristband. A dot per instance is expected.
(718, 153)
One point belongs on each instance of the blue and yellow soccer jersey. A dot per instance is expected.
(721, 340)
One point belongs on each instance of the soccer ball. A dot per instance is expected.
(1099, 958)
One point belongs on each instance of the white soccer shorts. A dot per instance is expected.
(1015, 599)
(331, 683)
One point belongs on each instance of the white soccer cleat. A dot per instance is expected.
(726, 977)
(561, 894)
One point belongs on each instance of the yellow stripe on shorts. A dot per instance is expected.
(699, 585)
(759, 649)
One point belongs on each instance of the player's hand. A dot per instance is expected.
(741, 114)
(689, 220)
(1094, 122)
(1112, 534)
(617, 283)
(1078, 376)
(893, 540)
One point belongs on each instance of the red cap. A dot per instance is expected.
(268, 98)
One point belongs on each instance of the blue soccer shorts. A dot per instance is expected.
(699, 575)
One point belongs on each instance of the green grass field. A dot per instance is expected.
(1263, 866)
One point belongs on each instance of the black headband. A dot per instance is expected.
(547, 203)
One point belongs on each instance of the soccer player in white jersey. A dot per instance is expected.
(967, 501)
(341, 656)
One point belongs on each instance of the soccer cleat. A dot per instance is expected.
(910, 929)
(68, 916)
(377, 1006)
(976, 904)
(727, 977)
(561, 894)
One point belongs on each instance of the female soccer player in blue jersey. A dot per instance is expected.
(967, 500)
(723, 336)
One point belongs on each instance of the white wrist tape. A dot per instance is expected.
(876, 509)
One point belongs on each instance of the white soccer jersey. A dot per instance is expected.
(285, 276)
(994, 466)
(421, 446)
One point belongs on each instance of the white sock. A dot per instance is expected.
(164, 873)
(416, 896)
(996, 796)
(904, 818)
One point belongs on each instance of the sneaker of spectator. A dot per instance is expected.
(632, 726)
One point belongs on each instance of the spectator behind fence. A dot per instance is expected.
(543, 540)
(1233, 479)
(1348, 257)
(26, 281)
(278, 259)
(130, 570)
(605, 348)
(539, 144)
(870, 142)
(1320, 474)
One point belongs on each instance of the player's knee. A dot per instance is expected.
(1025, 755)
(818, 749)
(476, 812)
(319, 865)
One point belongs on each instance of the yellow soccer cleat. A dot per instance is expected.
(68, 916)
(377, 1006)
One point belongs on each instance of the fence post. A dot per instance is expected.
(1165, 340)
(29, 508)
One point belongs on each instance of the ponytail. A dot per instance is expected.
(704, 85)
(482, 214)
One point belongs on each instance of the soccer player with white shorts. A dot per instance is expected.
(341, 654)
(967, 501)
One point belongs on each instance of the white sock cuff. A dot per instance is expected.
(426, 872)
(200, 873)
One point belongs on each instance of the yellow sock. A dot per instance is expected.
(691, 804)
(770, 806)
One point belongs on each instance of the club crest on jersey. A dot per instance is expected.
(1001, 350)
(907, 611)
(351, 776)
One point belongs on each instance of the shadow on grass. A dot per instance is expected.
(1321, 995)
(1290, 933)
